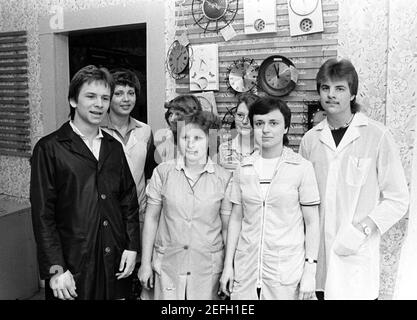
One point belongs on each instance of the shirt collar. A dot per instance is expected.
(180, 164)
(107, 123)
(78, 132)
(359, 119)
(288, 155)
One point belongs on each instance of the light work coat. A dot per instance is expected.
(361, 177)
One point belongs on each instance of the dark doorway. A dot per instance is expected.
(123, 47)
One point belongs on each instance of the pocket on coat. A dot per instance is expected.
(290, 268)
(157, 257)
(357, 170)
(217, 261)
(348, 240)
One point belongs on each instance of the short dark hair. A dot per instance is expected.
(343, 69)
(187, 103)
(87, 74)
(266, 105)
(126, 77)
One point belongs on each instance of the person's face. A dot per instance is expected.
(242, 122)
(174, 116)
(269, 129)
(193, 144)
(93, 103)
(123, 100)
(335, 97)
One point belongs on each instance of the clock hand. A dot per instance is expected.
(276, 70)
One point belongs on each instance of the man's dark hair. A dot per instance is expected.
(335, 70)
(266, 105)
(88, 74)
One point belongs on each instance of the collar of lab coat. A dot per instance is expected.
(352, 133)
(287, 155)
(209, 167)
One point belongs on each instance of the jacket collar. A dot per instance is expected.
(77, 145)
(209, 167)
(352, 133)
(287, 156)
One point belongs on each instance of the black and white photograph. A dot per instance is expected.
(211, 155)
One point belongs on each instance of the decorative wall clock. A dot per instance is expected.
(208, 101)
(277, 76)
(177, 60)
(204, 68)
(214, 15)
(242, 75)
(305, 16)
(260, 16)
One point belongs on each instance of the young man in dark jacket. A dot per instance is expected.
(84, 201)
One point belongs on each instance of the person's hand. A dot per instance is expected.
(226, 281)
(308, 283)
(63, 286)
(145, 276)
(127, 264)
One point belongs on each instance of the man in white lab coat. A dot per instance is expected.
(361, 183)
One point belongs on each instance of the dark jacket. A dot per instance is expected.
(84, 211)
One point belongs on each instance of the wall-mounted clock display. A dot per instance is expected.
(303, 7)
(305, 17)
(204, 68)
(214, 15)
(177, 60)
(208, 101)
(260, 16)
(242, 75)
(277, 76)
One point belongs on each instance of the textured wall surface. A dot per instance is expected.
(379, 37)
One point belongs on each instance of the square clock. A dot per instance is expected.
(260, 16)
(204, 67)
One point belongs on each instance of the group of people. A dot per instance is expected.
(257, 221)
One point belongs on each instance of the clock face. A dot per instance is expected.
(214, 15)
(303, 7)
(178, 58)
(277, 76)
(242, 75)
(214, 9)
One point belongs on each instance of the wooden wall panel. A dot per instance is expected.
(14, 93)
(306, 52)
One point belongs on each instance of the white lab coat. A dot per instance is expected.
(362, 177)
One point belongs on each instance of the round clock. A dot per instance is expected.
(277, 76)
(205, 104)
(303, 7)
(177, 59)
(242, 75)
(214, 15)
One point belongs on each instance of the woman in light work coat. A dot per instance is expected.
(186, 219)
(273, 233)
(362, 186)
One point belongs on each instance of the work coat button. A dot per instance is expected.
(107, 250)
(103, 196)
(185, 247)
(105, 223)
(188, 273)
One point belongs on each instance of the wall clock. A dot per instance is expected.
(177, 60)
(208, 101)
(242, 75)
(305, 16)
(204, 68)
(277, 76)
(214, 15)
(260, 16)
